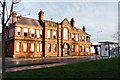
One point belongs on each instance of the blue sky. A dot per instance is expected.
(95, 15)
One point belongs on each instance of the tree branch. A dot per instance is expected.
(10, 13)
(1, 3)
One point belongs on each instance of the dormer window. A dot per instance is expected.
(32, 32)
(54, 34)
(25, 32)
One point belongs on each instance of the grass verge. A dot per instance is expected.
(105, 68)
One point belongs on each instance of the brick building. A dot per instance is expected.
(27, 37)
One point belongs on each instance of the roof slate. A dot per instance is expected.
(29, 22)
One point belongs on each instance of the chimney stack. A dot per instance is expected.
(41, 15)
(84, 29)
(72, 22)
(19, 17)
(13, 17)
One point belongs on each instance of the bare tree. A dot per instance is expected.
(4, 23)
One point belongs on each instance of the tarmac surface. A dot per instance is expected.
(60, 61)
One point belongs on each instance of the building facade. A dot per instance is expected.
(27, 37)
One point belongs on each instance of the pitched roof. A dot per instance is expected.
(84, 33)
(29, 22)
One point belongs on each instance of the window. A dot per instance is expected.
(32, 47)
(48, 33)
(49, 47)
(77, 48)
(54, 34)
(83, 49)
(72, 48)
(82, 38)
(59, 34)
(32, 32)
(25, 32)
(65, 33)
(38, 47)
(40, 33)
(76, 37)
(37, 31)
(87, 38)
(18, 31)
(59, 46)
(24, 47)
(72, 36)
(17, 47)
(54, 46)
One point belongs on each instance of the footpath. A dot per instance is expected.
(60, 61)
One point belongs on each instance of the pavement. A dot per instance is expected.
(60, 61)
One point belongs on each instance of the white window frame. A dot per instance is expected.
(26, 31)
(76, 37)
(32, 32)
(37, 31)
(24, 47)
(54, 34)
(38, 47)
(18, 30)
(49, 34)
(32, 47)
(17, 46)
(65, 33)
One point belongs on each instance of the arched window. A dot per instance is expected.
(65, 34)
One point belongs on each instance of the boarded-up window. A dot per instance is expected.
(37, 31)
(77, 48)
(17, 47)
(32, 47)
(24, 47)
(48, 33)
(55, 48)
(76, 37)
(49, 47)
(38, 47)
(59, 34)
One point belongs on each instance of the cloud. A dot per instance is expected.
(95, 16)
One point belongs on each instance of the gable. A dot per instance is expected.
(65, 22)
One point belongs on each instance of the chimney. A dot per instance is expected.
(13, 17)
(41, 15)
(84, 29)
(19, 17)
(72, 22)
